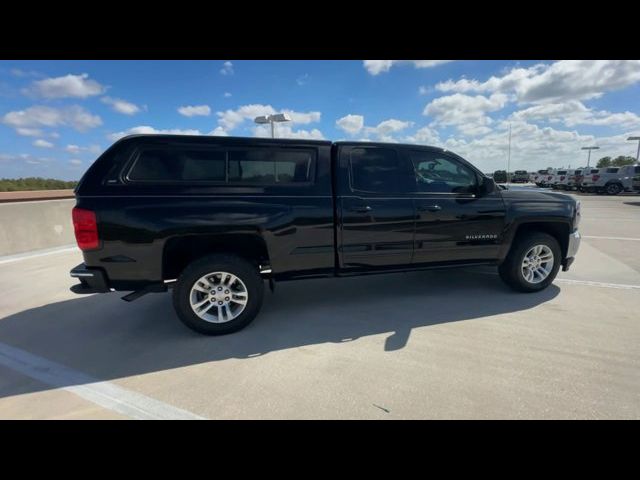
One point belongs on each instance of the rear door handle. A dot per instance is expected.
(362, 209)
(429, 208)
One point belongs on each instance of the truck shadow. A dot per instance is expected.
(102, 336)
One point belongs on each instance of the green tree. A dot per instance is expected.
(34, 183)
(623, 160)
(604, 162)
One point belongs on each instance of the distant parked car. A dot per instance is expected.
(566, 181)
(520, 176)
(559, 176)
(586, 173)
(500, 176)
(545, 178)
(611, 180)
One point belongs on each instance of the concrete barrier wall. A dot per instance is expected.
(27, 226)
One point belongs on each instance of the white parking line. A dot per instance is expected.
(611, 238)
(106, 394)
(37, 253)
(588, 283)
(597, 284)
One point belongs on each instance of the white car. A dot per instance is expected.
(610, 180)
(542, 178)
(558, 178)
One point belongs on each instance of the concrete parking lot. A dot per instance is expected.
(439, 344)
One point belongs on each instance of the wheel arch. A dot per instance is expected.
(558, 228)
(180, 251)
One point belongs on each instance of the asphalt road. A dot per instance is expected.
(445, 344)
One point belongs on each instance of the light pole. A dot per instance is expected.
(509, 158)
(637, 154)
(273, 119)
(589, 156)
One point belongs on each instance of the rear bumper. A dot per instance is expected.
(572, 250)
(92, 280)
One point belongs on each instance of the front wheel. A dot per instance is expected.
(218, 294)
(532, 264)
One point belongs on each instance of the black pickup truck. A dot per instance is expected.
(213, 218)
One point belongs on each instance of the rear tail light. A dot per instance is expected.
(549, 177)
(85, 226)
(562, 178)
(595, 178)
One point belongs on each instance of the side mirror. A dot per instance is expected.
(486, 187)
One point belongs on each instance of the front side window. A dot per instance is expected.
(380, 170)
(439, 173)
(612, 170)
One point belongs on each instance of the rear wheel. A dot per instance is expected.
(613, 189)
(218, 294)
(532, 264)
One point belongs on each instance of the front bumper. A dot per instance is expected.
(92, 280)
(572, 250)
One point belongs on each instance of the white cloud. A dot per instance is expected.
(375, 67)
(29, 132)
(424, 135)
(303, 117)
(43, 116)
(195, 110)
(391, 126)
(354, 125)
(76, 149)
(231, 119)
(121, 106)
(467, 113)
(40, 143)
(227, 94)
(422, 90)
(303, 79)
(75, 162)
(227, 68)
(560, 81)
(350, 124)
(574, 112)
(68, 86)
(145, 129)
(20, 73)
(287, 131)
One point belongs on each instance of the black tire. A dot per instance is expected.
(510, 270)
(237, 266)
(613, 189)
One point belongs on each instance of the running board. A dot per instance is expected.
(154, 288)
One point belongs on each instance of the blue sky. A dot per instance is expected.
(57, 116)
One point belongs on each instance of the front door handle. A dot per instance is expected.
(429, 208)
(362, 209)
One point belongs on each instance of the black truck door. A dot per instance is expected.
(375, 208)
(454, 223)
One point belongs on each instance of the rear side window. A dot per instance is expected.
(594, 170)
(578, 172)
(269, 166)
(222, 165)
(636, 169)
(612, 170)
(172, 165)
(562, 172)
(380, 170)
